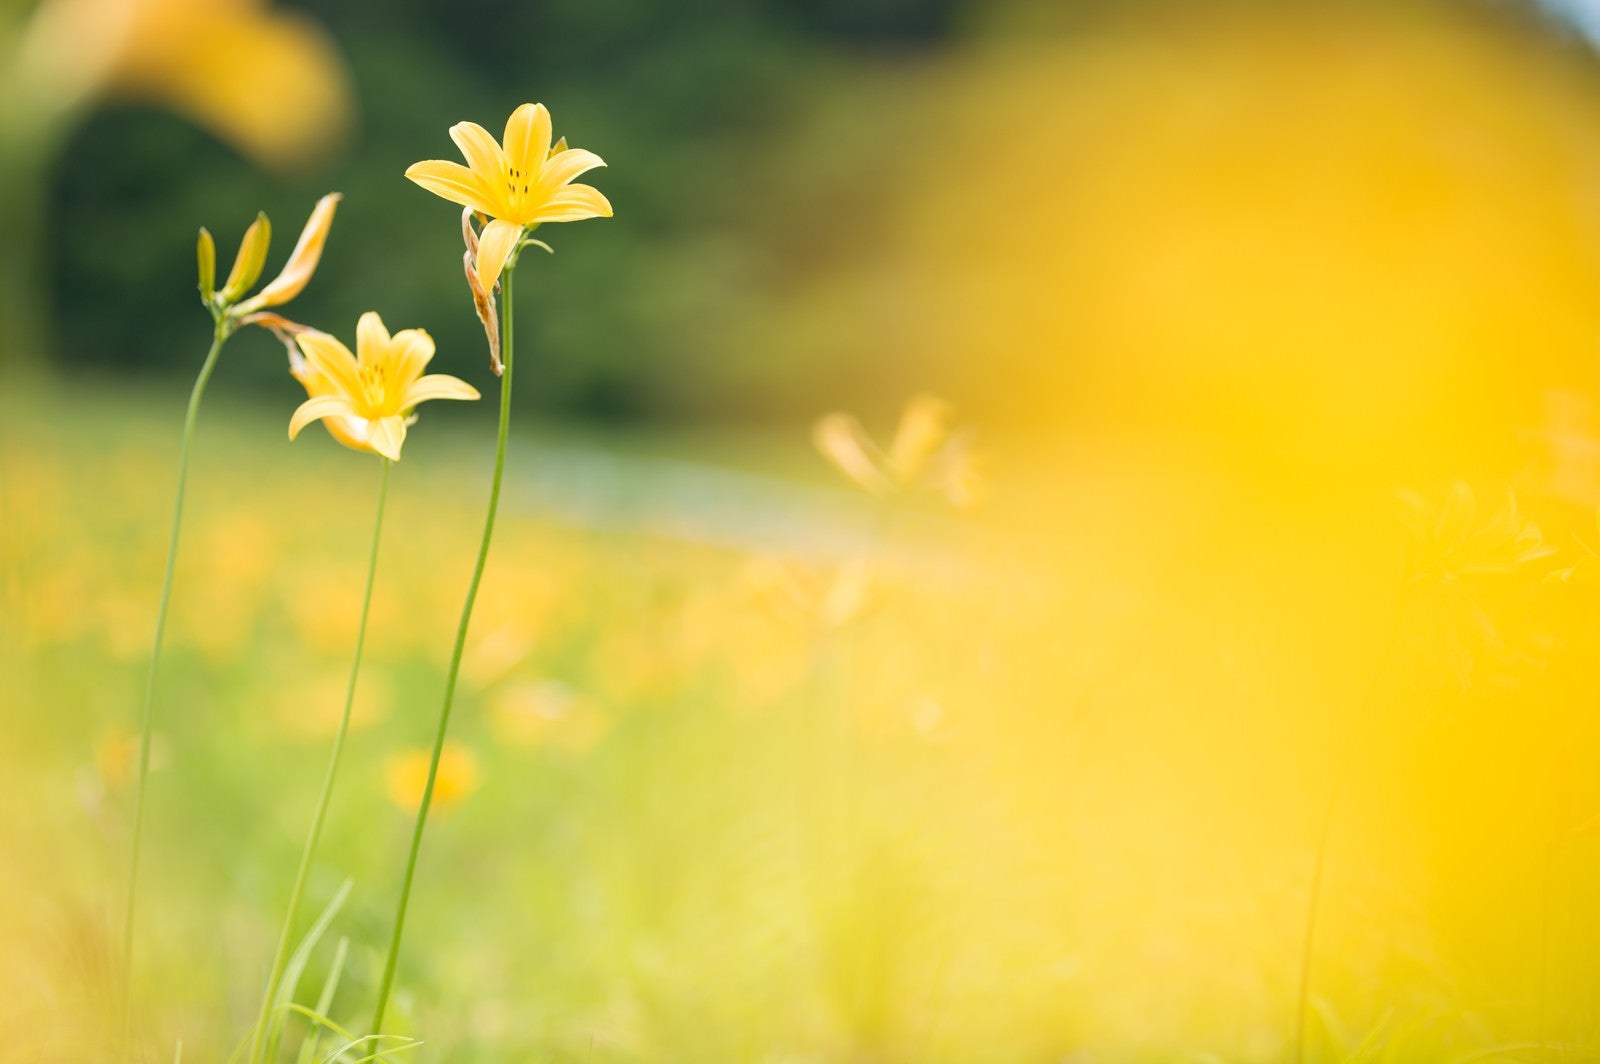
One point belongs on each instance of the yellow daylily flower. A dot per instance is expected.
(521, 182)
(366, 399)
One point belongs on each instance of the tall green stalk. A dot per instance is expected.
(260, 1041)
(387, 983)
(224, 328)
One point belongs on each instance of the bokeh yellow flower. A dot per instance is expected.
(270, 83)
(366, 399)
(520, 182)
(534, 712)
(1452, 540)
(406, 775)
(925, 452)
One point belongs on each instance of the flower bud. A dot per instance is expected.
(206, 251)
(247, 264)
(292, 279)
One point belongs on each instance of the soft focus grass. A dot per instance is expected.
(1053, 790)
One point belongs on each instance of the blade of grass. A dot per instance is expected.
(308, 1048)
(292, 971)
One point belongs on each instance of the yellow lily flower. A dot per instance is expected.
(523, 183)
(366, 400)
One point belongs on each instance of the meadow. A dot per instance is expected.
(1132, 595)
(864, 783)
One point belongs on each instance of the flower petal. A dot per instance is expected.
(292, 279)
(317, 408)
(437, 386)
(924, 427)
(527, 140)
(495, 244)
(565, 166)
(481, 151)
(454, 182)
(388, 436)
(411, 350)
(372, 339)
(350, 431)
(330, 358)
(843, 441)
(574, 203)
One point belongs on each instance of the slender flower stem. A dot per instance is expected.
(387, 983)
(220, 334)
(1308, 940)
(259, 1040)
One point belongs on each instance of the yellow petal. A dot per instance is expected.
(252, 256)
(558, 147)
(567, 165)
(411, 350)
(388, 436)
(527, 140)
(292, 279)
(924, 427)
(574, 203)
(438, 386)
(372, 339)
(843, 442)
(495, 245)
(454, 182)
(352, 432)
(318, 407)
(332, 360)
(482, 153)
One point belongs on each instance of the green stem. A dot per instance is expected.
(219, 336)
(387, 983)
(259, 1039)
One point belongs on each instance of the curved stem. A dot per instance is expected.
(218, 337)
(259, 1039)
(387, 983)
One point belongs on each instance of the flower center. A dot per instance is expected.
(517, 184)
(374, 387)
